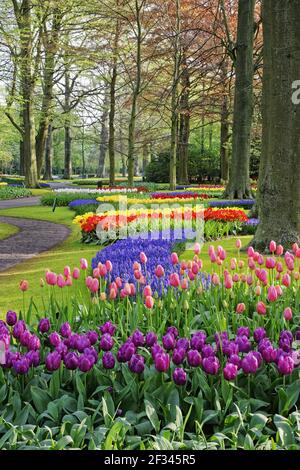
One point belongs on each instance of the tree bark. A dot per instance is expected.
(49, 154)
(279, 188)
(103, 140)
(224, 137)
(24, 18)
(174, 98)
(239, 181)
(184, 127)
(67, 127)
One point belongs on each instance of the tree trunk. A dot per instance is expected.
(68, 132)
(24, 20)
(174, 99)
(135, 95)
(103, 140)
(239, 182)
(184, 127)
(224, 137)
(22, 165)
(146, 157)
(279, 188)
(49, 154)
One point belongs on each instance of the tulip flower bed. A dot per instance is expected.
(9, 192)
(213, 363)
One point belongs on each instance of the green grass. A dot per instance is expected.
(7, 230)
(68, 253)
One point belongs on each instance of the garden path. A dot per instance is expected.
(34, 236)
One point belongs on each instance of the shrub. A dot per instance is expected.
(10, 192)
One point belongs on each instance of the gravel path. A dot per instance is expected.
(34, 237)
(22, 202)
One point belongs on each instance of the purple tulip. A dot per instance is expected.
(34, 343)
(108, 327)
(138, 338)
(85, 363)
(151, 338)
(162, 362)
(285, 343)
(156, 349)
(33, 358)
(53, 361)
(298, 335)
(106, 342)
(269, 354)
(207, 351)
(258, 357)
(243, 344)
(179, 376)
(137, 364)
(230, 371)
(18, 329)
(259, 334)
(243, 331)
(182, 343)
(71, 360)
(220, 337)
(236, 360)
(21, 366)
(285, 365)
(25, 338)
(62, 349)
(92, 336)
(82, 343)
(194, 358)
(10, 358)
(178, 355)
(71, 342)
(198, 340)
(126, 351)
(44, 325)
(65, 330)
(11, 318)
(5, 338)
(211, 365)
(54, 339)
(173, 331)
(108, 360)
(168, 341)
(91, 351)
(250, 363)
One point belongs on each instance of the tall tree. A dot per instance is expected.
(103, 137)
(239, 181)
(279, 189)
(184, 125)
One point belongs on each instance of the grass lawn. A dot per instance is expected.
(6, 230)
(68, 253)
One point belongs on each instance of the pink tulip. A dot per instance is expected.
(174, 258)
(60, 281)
(298, 253)
(174, 280)
(279, 267)
(250, 252)
(184, 284)
(235, 277)
(76, 273)
(112, 294)
(279, 250)
(260, 260)
(109, 266)
(263, 276)
(211, 250)
(88, 281)
(233, 264)
(286, 280)
(256, 256)
(288, 314)
(270, 263)
(159, 271)
(240, 308)
(149, 302)
(195, 268)
(137, 274)
(238, 244)
(296, 276)
(197, 249)
(228, 283)
(68, 281)
(96, 272)
(272, 294)
(147, 291)
(219, 261)
(127, 288)
(84, 264)
(257, 291)
(191, 275)
(136, 266)
(278, 290)
(94, 286)
(118, 281)
(103, 271)
(132, 289)
(123, 294)
(215, 279)
(278, 276)
(241, 264)
(213, 257)
(200, 264)
(249, 280)
(183, 265)
(67, 271)
(261, 308)
(243, 278)
(272, 246)
(51, 278)
(143, 257)
(295, 247)
(251, 263)
(24, 285)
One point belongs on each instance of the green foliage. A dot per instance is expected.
(63, 199)
(10, 192)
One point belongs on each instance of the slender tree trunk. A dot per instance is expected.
(279, 188)
(104, 138)
(24, 19)
(210, 137)
(146, 157)
(49, 154)
(239, 181)
(22, 165)
(67, 126)
(224, 137)
(184, 127)
(174, 98)
(135, 95)
(202, 135)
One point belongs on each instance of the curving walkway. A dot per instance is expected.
(34, 236)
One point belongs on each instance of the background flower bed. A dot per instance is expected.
(10, 192)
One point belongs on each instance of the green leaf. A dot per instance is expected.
(152, 415)
(40, 398)
(258, 422)
(54, 385)
(288, 397)
(285, 432)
